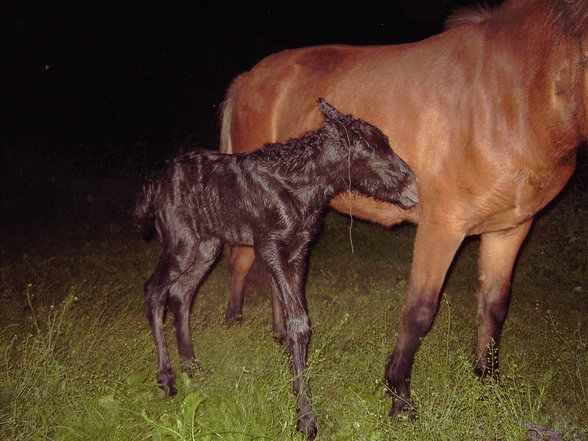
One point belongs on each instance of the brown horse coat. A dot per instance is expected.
(489, 114)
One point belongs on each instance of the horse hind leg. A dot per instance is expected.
(240, 261)
(498, 252)
(194, 266)
(156, 294)
(434, 250)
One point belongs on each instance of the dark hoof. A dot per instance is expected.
(307, 426)
(280, 335)
(404, 409)
(167, 381)
(171, 391)
(232, 318)
(485, 373)
(190, 367)
(282, 339)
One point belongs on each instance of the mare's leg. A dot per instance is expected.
(498, 252)
(240, 260)
(434, 249)
(286, 271)
(192, 268)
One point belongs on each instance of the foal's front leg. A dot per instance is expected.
(286, 274)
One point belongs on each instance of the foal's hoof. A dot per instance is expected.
(307, 426)
(404, 409)
(190, 367)
(232, 318)
(282, 339)
(169, 389)
(167, 381)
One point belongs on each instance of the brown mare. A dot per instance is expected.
(489, 114)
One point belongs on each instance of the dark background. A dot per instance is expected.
(95, 95)
(79, 74)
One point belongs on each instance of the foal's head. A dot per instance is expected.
(374, 169)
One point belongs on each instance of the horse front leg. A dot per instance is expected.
(498, 252)
(434, 249)
(286, 275)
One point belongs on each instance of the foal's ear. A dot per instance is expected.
(329, 111)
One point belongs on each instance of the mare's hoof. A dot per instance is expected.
(487, 374)
(307, 426)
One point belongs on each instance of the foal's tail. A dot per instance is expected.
(144, 214)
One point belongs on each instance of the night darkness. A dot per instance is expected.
(95, 96)
(107, 83)
(74, 75)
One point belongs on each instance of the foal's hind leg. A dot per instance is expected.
(156, 293)
(193, 268)
(241, 259)
(498, 252)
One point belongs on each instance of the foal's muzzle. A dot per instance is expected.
(409, 196)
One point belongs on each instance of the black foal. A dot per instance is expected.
(271, 199)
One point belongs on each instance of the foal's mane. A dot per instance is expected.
(569, 18)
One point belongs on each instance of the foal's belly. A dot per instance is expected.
(232, 234)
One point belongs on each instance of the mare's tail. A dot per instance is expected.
(226, 145)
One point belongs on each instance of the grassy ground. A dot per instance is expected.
(77, 360)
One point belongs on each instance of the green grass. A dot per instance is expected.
(77, 360)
